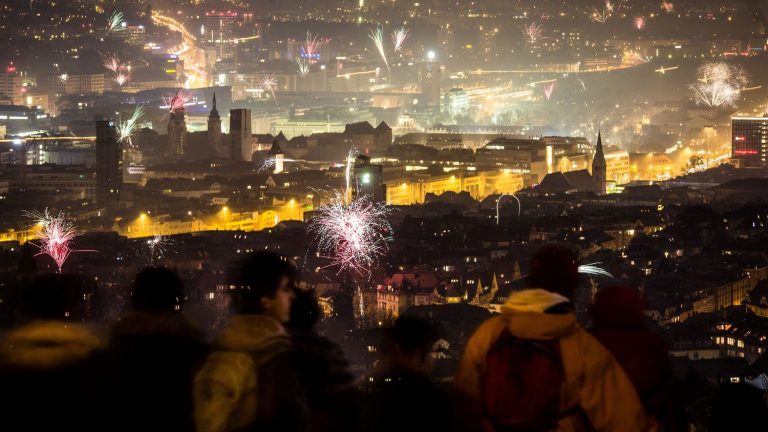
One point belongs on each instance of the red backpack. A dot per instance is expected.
(521, 387)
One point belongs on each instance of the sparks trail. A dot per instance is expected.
(310, 49)
(127, 128)
(116, 22)
(177, 101)
(158, 245)
(639, 22)
(55, 233)
(377, 36)
(548, 89)
(399, 36)
(122, 78)
(594, 269)
(302, 65)
(533, 32)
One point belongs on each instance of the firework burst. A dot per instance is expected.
(302, 65)
(718, 85)
(594, 270)
(122, 78)
(354, 235)
(55, 233)
(177, 101)
(127, 128)
(668, 7)
(157, 247)
(377, 36)
(639, 22)
(399, 36)
(311, 49)
(113, 63)
(269, 83)
(64, 77)
(533, 32)
(352, 232)
(116, 22)
(600, 16)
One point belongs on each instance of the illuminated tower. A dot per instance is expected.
(214, 132)
(599, 166)
(277, 153)
(177, 132)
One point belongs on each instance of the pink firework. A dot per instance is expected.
(533, 32)
(113, 63)
(177, 101)
(352, 232)
(399, 37)
(311, 48)
(55, 233)
(354, 235)
(548, 89)
(639, 22)
(122, 78)
(668, 7)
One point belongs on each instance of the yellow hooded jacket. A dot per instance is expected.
(593, 379)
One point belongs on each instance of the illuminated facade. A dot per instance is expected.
(749, 140)
(414, 189)
(617, 167)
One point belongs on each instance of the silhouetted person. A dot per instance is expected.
(154, 352)
(738, 407)
(617, 317)
(48, 363)
(322, 368)
(402, 396)
(534, 368)
(251, 381)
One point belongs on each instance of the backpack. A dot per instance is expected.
(521, 386)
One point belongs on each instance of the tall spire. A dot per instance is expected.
(599, 155)
(214, 111)
(599, 166)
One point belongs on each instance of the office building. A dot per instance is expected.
(109, 163)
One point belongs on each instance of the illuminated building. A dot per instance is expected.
(11, 85)
(617, 167)
(749, 140)
(413, 188)
(109, 163)
(277, 153)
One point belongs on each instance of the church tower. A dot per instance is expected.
(277, 153)
(177, 132)
(599, 166)
(214, 132)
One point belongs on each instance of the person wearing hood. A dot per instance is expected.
(617, 322)
(48, 363)
(251, 380)
(153, 354)
(590, 390)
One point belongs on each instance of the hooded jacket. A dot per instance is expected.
(250, 382)
(47, 377)
(593, 380)
(617, 316)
